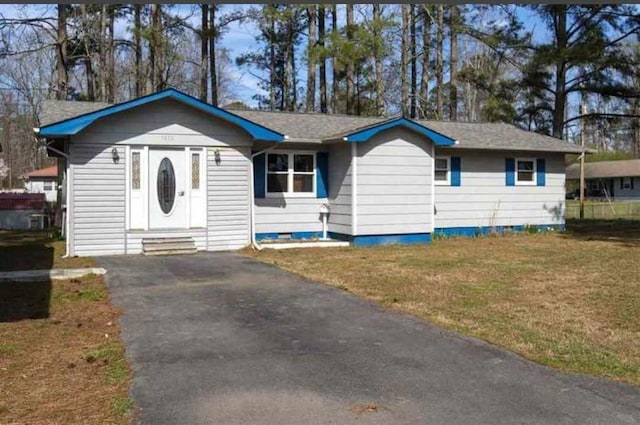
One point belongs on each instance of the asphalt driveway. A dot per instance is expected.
(223, 339)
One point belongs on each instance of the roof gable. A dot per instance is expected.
(364, 134)
(75, 125)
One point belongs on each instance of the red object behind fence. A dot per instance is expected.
(22, 201)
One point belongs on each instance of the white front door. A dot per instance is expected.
(167, 189)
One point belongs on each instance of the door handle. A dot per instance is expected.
(181, 193)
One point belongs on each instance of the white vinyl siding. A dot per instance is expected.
(97, 199)
(228, 199)
(394, 193)
(483, 200)
(340, 189)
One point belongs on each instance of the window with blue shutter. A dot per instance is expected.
(322, 174)
(455, 171)
(259, 162)
(510, 171)
(541, 178)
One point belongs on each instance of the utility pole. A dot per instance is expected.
(583, 112)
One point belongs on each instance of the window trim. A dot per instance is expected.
(624, 181)
(50, 184)
(290, 173)
(534, 179)
(446, 182)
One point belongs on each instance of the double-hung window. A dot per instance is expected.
(291, 173)
(525, 171)
(442, 170)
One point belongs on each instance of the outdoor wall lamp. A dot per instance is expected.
(115, 156)
(216, 156)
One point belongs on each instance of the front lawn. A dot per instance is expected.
(61, 359)
(569, 300)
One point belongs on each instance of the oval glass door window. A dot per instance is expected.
(166, 185)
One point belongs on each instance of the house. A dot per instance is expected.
(44, 180)
(617, 180)
(23, 211)
(169, 168)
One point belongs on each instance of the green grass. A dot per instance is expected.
(121, 405)
(112, 357)
(7, 349)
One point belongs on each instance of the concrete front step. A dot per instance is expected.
(171, 251)
(168, 246)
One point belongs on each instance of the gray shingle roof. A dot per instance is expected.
(315, 127)
(59, 110)
(605, 169)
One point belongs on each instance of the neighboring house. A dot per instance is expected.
(618, 180)
(168, 166)
(44, 180)
(23, 211)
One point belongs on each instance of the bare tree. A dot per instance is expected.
(439, 63)
(323, 59)
(311, 63)
(453, 63)
(61, 44)
(404, 60)
(377, 58)
(204, 52)
(350, 68)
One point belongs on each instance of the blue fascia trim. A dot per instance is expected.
(373, 240)
(74, 125)
(294, 235)
(487, 230)
(366, 134)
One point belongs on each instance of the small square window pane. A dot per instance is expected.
(441, 176)
(441, 164)
(303, 183)
(303, 163)
(525, 176)
(276, 183)
(278, 162)
(525, 166)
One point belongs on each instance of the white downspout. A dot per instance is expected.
(254, 242)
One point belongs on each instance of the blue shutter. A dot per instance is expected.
(541, 172)
(510, 171)
(322, 174)
(259, 165)
(455, 171)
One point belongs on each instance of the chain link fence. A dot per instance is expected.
(604, 210)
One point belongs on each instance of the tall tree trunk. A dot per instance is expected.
(404, 61)
(137, 29)
(560, 102)
(453, 63)
(426, 53)
(156, 34)
(323, 60)
(204, 52)
(440, 64)
(334, 79)
(272, 60)
(292, 62)
(111, 54)
(102, 52)
(414, 62)
(311, 62)
(213, 70)
(61, 44)
(377, 58)
(88, 65)
(350, 71)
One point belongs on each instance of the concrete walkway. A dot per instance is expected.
(223, 339)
